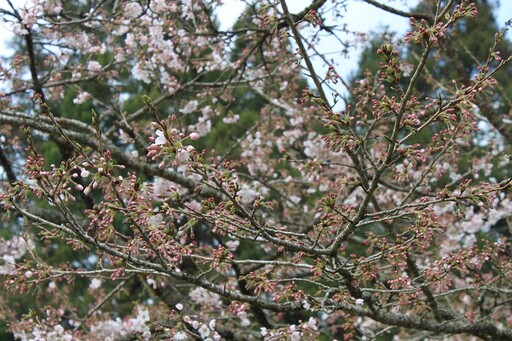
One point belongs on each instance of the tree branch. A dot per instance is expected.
(393, 10)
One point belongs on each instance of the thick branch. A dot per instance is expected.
(7, 166)
(393, 10)
(87, 138)
(484, 330)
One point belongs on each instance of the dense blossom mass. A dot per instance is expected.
(166, 179)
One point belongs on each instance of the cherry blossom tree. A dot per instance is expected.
(329, 211)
